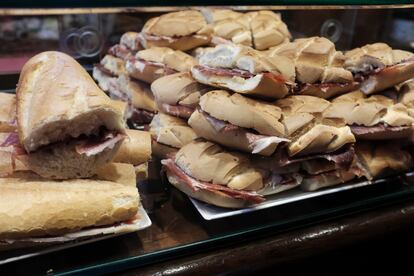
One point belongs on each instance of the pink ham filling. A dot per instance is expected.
(196, 185)
(92, 147)
(178, 110)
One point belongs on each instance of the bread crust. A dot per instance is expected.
(7, 112)
(52, 107)
(178, 89)
(38, 208)
(135, 149)
(171, 131)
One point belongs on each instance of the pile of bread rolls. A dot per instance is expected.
(237, 110)
(68, 164)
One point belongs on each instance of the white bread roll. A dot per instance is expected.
(7, 112)
(131, 40)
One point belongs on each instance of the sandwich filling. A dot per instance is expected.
(195, 185)
(226, 72)
(109, 83)
(257, 142)
(121, 51)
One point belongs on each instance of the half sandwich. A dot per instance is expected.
(319, 67)
(151, 64)
(66, 124)
(182, 30)
(374, 117)
(178, 94)
(245, 70)
(377, 66)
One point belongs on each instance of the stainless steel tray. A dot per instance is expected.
(69, 240)
(210, 212)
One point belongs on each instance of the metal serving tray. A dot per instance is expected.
(211, 212)
(16, 255)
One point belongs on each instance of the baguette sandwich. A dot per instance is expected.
(178, 94)
(238, 122)
(319, 67)
(66, 124)
(128, 45)
(151, 64)
(373, 117)
(207, 172)
(260, 30)
(7, 112)
(40, 211)
(378, 67)
(169, 134)
(182, 30)
(245, 70)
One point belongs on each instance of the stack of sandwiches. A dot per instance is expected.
(68, 165)
(244, 111)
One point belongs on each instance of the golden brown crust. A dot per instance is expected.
(52, 106)
(178, 89)
(208, 162)
(37, 208)
(7, 112)
(135, 148)
(244, 112)
(171, 131)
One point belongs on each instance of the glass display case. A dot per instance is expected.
(178, 229)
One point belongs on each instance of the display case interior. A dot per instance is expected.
(177, 227)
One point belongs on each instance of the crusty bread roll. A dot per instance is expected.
(131, 40)
(373, 117)
(319, 67)
(239, 122)
(244, 70)
(57, 102)
(114, 65)
(171, 132)
(379, 160)
(323, 180)
(182, 30)
(178, 92)
(205, 171)
(135, 149)
(37, 207)
(268, 29)
(7, 112)
(121, 173)
(260, 29)
(138, 94)
(151, 64)
(242, 111)
(406, 96)
(309, 131)
(379, 66)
